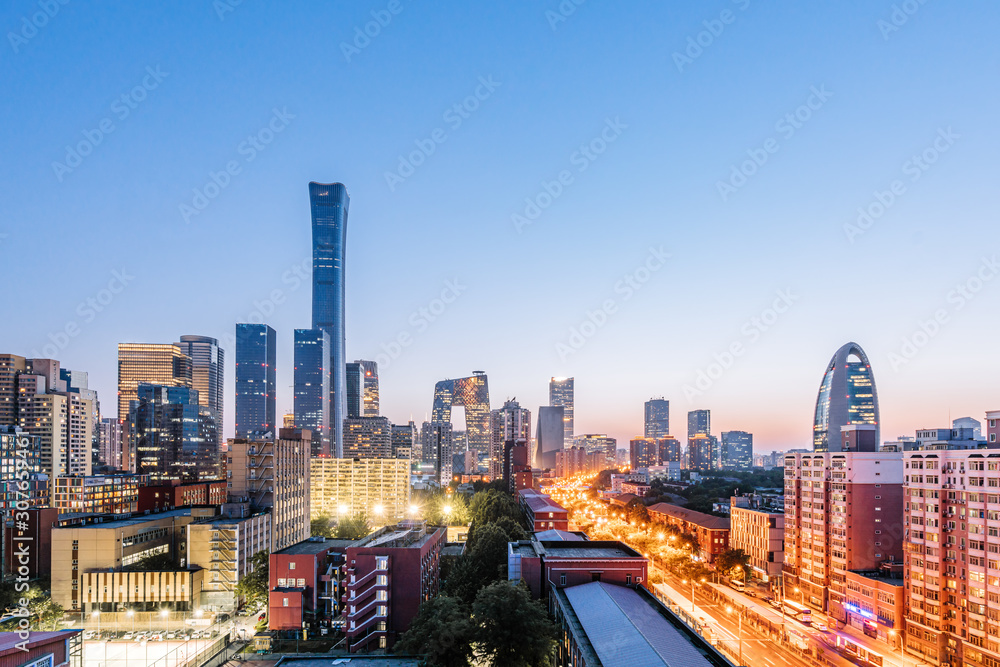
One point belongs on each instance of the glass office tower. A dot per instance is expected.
(207, 370)
(473, 393)
(256, 346)
(847, 395)
(164, 364)
(312, 388)
(561, 394)
(656, 418)
(329, 203)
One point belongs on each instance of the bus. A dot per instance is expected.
(738, 585)
(799, 612)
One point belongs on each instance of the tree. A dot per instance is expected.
(320, 526)
(441, 632)
(734, 563)
(253, 587)
(40, 607)
(483, 564)
(352, 527)
(512, 630)
(603, 479)
(636, 511)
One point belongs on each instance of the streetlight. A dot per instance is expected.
(131, 614)
(729, 610)
(892, 633)
(96, 614)
(799, 591)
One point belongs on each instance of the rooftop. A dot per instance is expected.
(353, 660)
(621, 626)
(596, 549)
(10, 640)
(314, 547)
(697, 518)
(539, 502)
(124, 523)
(556, 535)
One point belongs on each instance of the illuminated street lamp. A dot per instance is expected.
(131, 614)
(892, 633)
(342, 509)
(97, 615)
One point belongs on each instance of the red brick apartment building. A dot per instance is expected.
(712, 531)
(386, 578)
(571, 562)
(541, 511)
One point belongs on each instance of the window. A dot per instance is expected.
(282, 582)
(302, 583)
(628, 579)
(562, 579)
(291, 566)
(284, 602)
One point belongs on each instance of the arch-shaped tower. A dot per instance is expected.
(847, 395)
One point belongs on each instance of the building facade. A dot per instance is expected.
(98, 494)
(847, 395)
(473, 394)
(207, 375)
(737, 450)
(312, 389)
(712, 532)
(367, 438)
(561, 394)
(163, 364)
(550, 437)
(509, 424)
(761, 535)
(656, 418)
(172, 434)
(843, 512)
(377, 488)
(256, 392)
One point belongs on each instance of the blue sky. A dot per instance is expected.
(641, 137)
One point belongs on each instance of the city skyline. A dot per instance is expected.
(798, 270)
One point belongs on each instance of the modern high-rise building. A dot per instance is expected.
(312, 388)
(737, 450)
(273, 475)
(600, 442)
(11, 366)
(405, 441)
(973, 425)
(843, 513)
(473, 394)
(362, 389)
(329, 203)
(173, 434)
(699, 423)
(77, 382)
(113, 451)
(256, 394)
(207, 374)
(367, 438)
(436, 442)
(561, 394)
(551, 436)
(355, 390)
(507, 425)
(164, 364)
(643, 453)
(22, 483)
(670, 450)
(702, 452)
(847, 395)
(656, 418)
(952, 518)
(63, 421)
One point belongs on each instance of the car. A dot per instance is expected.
(774, 603)
(89, 634)
(128, 635)
(820, 626)
(751, 593)
(158, 637)
(171, 635)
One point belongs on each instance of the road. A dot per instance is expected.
(762, 628)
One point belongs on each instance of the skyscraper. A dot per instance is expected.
(207, 374)
(507, 425)
(435, 439)
(256, 353)
(173, 434)
(737, 450)
(329, 203)
(473, 393)
(699, 423)
(656, 418)
(367, 438)
(702, 450)
(551, 436)
(362, 389)
(113, 452)
(643, 453)
(670, 450)
(847, 395)
(164, 364)
(561, 394)
(312, 388)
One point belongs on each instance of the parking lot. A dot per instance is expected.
(130, 649)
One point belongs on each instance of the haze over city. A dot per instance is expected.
(585, 193)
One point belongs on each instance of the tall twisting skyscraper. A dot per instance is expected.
(329, 203)
(847, 396)
(561, 393)
(256, 352)
(656, 418)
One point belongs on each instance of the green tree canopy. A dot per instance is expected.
(321, 526)
(352, 527)
(636, 511)
(442, 633)
(482, 564)
(253, 587)
(512, 630)
(733, 563)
